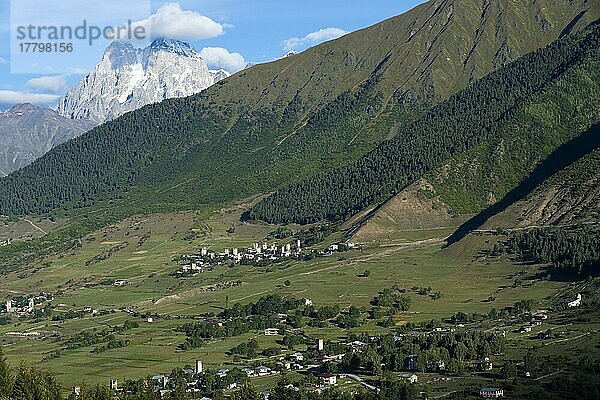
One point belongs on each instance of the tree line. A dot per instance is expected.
(573, 253)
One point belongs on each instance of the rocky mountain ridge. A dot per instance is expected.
(128, 78)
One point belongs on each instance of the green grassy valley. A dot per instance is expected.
(407, 212)
(142, 251)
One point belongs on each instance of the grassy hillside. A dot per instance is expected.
(289, 119)
(529, 108)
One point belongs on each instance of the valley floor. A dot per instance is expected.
(143, 252)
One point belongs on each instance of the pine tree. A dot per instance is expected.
(6, 378)
(22, 385)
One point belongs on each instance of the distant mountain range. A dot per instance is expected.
(128, 78)
(308, 114)
(125, 79)
(27, 132)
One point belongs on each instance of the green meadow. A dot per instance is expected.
(143, 251)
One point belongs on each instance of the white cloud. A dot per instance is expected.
(171, 22)
(3, 61)
(313, 38)
(52, 84)
(11, 98)
(218, 57)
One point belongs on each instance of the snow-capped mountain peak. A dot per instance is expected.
(128, 78)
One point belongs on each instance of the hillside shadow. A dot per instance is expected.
(564, 156)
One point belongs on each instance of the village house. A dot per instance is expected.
(328, 379)
(271, 332)
(540, 315)
(265, 395)
(283, 365)
(296, 357)
(332, 248)
(410, 378)
(222, 373)
(485, 364)
(263, 371)
(576, 302)
(493, 393)
(160, 381)
(357, 345)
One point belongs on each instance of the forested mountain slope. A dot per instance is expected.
(282, 121)
(530, 108)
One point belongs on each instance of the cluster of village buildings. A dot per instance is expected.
(294, 362)
(299, 362)
(258, 253)
(539, 316)
(291, 362)
(25, 306)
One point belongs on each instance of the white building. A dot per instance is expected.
(328, 379)
(485, 364)
(160, 380)
(199, 367)
(271, 332)
(491, 393)
(576, 302)
(411, 378)
(222, 373)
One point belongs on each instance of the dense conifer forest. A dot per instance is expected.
(572, 253)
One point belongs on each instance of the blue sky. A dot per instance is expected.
(229, 33)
